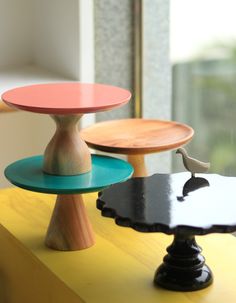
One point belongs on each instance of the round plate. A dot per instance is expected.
(27, 173)
(136, 136)
(66, 98)
(173, 203)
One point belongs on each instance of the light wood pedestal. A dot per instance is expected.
(118, 269)
(4, 108)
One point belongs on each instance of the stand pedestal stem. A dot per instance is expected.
(69, 228)
(184, 268)
(138, 163)
(67, 153)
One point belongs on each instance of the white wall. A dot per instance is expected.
(15, 32)
(56, 36)
(40, 32)
(21, 135)
(46, 34)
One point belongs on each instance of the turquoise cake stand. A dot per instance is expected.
(70, 228)
(27, 173)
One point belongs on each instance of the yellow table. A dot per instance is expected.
(118, 269)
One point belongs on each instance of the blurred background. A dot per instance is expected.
(203, 59)
(177, 57)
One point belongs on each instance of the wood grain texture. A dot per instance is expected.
(119, 268)
(5, 109)
(137, 136)
(138, 163)
(67, 153)
(69, 228)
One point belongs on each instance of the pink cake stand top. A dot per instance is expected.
(66, 98)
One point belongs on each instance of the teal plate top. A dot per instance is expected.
(27, 173)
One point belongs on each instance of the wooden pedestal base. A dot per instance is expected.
(138, 163)
(67, 153)
(69, 228)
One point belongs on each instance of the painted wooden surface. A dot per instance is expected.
(27, 173)
(66, 98)
(67, 154)
(137, 136)
(117, 269)
(25, 279)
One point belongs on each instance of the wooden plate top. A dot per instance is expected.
(137, 136)
(66, 98)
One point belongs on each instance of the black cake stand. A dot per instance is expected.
(179, 205)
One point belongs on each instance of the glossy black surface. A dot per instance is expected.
(173, 203)
(184, 268)
(180, 205)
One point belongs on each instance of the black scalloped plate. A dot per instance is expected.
(173, 203)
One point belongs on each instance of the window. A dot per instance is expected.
(203, 55)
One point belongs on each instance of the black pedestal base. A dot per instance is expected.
(184, 267)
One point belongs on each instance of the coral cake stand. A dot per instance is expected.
(67, 167)
(175, 204)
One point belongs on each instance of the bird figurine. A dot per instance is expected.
(191, 164)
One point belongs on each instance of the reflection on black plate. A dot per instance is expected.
(194, 183)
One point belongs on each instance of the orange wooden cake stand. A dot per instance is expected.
(137, 137)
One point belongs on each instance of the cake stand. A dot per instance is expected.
(175, 204)
(136, 138)
(67, 168)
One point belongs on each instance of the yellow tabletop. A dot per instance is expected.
(118, 269)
